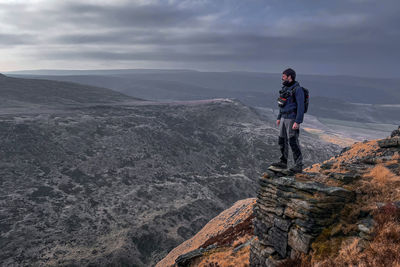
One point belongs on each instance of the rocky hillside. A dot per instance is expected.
(123, 183)
(342, 212)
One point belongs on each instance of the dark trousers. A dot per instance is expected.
(288, 136)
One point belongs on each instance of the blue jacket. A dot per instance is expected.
(294, 106)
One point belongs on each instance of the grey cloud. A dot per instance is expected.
(224, 32)
(75, 15)
(257, 50)
(130, 15)
(8, 39)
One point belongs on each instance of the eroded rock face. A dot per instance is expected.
(289, 214)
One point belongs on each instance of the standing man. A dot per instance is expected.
(291, 113)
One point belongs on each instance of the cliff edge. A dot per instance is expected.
(344, 211)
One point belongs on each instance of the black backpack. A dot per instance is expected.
(306, 97)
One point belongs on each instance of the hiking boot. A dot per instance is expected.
(281, 165)
(296, 169)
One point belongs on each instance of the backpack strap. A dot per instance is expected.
(293, 92)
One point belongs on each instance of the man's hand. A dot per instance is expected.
(296, 126)
(278, 122)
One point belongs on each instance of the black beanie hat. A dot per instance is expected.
(290, 72)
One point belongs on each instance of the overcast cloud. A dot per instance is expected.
(355, 37)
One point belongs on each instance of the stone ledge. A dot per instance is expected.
(389, 142)
(290, 214)
(310, 187)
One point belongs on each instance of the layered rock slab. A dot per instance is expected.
(289, 214)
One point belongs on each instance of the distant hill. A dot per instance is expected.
(345, 88)
(93, 72)
(18, 92)
(335, 97)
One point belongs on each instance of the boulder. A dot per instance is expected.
(395, 132)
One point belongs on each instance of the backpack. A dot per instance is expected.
(306, 97)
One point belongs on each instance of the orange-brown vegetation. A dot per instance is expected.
(314, 168)
(357, 150)
(338, 164)
(380, 183)
(382, 251)
(219, 230)
(382, 175)
(225, 257)
(230, 235)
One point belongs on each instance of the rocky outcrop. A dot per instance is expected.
(332, 204)
(290, 214)
(395, 132)
(394, 141)
(342, 209)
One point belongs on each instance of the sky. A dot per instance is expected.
(350, 37)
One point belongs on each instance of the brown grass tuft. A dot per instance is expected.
(381, 174)
(383, 186)
(382, 251)
(224, 257)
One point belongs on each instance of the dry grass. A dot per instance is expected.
(314, 168)
(359, 150)
(356, 151)
(382, 251)
(381, 175)
(224, 257)
(379, 185)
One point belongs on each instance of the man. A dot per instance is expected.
(291, 113)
